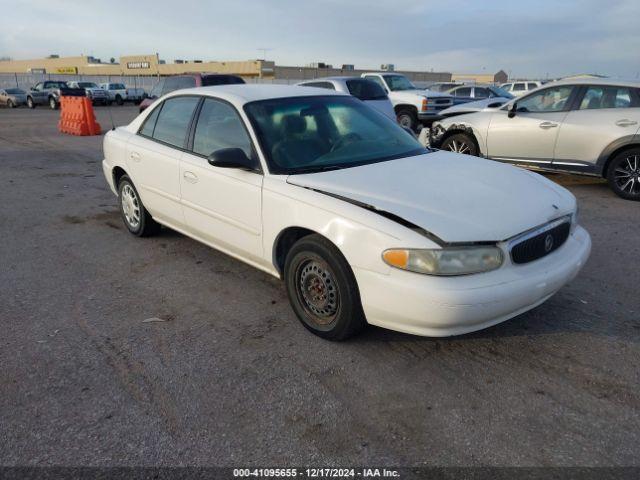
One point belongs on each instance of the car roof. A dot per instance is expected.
(244, 93)
(335, 78)
(597, 81)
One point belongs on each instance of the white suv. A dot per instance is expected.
(517, 89)
(587, 126)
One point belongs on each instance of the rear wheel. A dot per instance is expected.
(460, 143)
(119, 100)
(10, 104)
(322, 289)
(53, 105)
(135, 217)
(624, 174)
(407, 118)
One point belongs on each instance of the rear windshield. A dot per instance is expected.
(14, 91)
(366, 89)
(221, 80)
(117, 86)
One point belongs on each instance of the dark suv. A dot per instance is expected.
(191, 80)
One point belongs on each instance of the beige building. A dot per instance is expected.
(135, 65)
(498, 77)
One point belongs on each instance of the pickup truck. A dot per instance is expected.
(92, 91)
(120, 94)
(412, 105)
(48, 93)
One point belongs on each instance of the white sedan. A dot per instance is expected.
(362, 223)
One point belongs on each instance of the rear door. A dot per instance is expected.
(222, 205)
(604, 114)
(530, 136)
(153, 157)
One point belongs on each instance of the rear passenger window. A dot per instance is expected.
(532, 86)
(150, 122)
(463, 92)
(173, 120)
(518, 87)
(219, 126)
(606, 97)
(481, 92)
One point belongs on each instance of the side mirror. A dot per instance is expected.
(513, 109)
(232, 158)
(33, 89)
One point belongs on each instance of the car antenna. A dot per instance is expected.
(113, 125)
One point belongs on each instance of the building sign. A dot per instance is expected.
(134, 65)
(67, 70)
(38, 71)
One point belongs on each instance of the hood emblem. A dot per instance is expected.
(548, 243)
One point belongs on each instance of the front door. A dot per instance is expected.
(530, 135)
(222, 206)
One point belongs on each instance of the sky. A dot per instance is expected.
(538, 39)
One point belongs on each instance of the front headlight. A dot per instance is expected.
(445, 261)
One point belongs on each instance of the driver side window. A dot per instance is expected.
(219, 126)
(554, 99)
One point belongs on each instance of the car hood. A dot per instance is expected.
(457, 198)
(411, 94)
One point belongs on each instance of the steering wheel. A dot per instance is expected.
(346, 140)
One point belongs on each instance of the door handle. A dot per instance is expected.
(546, 125)
(190, 177)
(135, 156)
(626, 123)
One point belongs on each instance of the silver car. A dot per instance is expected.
(587, 126)
(12, 97)
(366, 90)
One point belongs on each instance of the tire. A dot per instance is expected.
(407, 118)
(119, 100)
(30, 103)
(53, 105)
(333, 309)
(10, 104)
(460, 143)
(623, 174)
(135, 217)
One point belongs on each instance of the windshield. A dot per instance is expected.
(117, 86)
(398, 82)
(307, 134)
(15, 91)
(500, 92)
(87, 85)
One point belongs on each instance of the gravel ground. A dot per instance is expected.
(231, 378)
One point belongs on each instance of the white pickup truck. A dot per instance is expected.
(412, 105)
(119, 93)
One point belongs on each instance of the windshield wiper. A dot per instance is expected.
(317, 169)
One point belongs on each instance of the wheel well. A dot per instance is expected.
(605, 168)
(286, 239)
(413, 108)
(117, 175)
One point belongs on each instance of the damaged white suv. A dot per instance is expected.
(359, 220)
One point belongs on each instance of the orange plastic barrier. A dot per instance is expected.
(77, 116)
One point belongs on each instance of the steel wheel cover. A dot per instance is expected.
(317, 291)
(130, 206)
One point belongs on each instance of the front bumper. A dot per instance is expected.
(445, 306)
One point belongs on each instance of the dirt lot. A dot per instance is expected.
(232, 378)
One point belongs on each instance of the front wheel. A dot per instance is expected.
(322, 289)
(10, 104)
(53, 105)
(135, 217)
(119, 100)
(407, 118)
(30, 103)
(460, 143)
(624, 175)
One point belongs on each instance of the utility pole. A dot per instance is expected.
(264, 52)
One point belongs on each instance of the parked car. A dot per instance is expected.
(92, 91)
(517, 89)
(412, 105)
(170, 84)
(469, 93)
(116, 92)
(13, 97)
(364, 89)
(46, 93)
(136, 95)
(588, 126)
(357, 218)
(443, 86)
